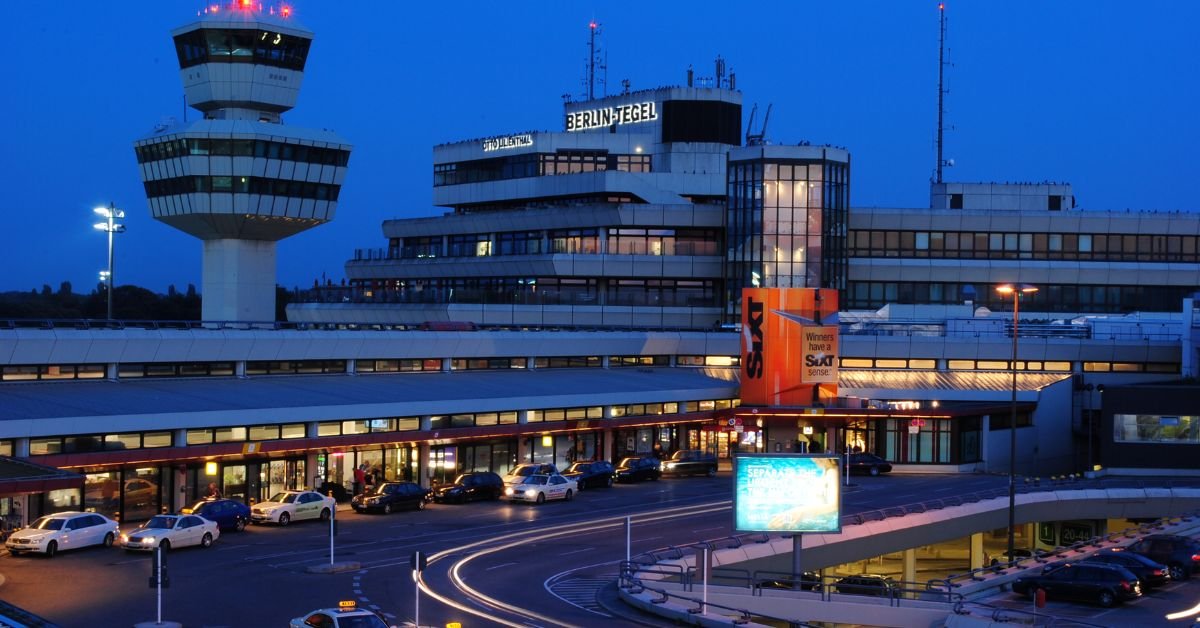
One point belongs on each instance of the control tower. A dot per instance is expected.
(239, 179)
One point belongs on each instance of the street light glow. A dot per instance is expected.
(111, 214)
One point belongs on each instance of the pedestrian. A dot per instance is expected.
(213, 491)
(360, 478)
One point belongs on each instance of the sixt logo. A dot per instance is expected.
(754, 359)
(818, 360)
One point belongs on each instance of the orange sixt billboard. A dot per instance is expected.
(789, 346)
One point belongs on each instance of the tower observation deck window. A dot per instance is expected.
(241, 46)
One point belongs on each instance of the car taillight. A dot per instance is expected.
(1160, 572)
(1125, 585)
(1196, 558)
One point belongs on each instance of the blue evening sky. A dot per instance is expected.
(1098, 93)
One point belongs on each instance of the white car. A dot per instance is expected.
(62, 531)
(540, 487)
(169, 531)
(346, 616)
(288, 506)
(522, 471)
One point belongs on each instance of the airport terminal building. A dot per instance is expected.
(579, 298)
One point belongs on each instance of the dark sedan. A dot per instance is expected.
(866, 584)
(1150, 572)
(391, 496)
(691, 462)
(809, 581)
(597, 473)
(469, 487)
(226, 513)
(638, 469)
(868, 464)
(1102, 584)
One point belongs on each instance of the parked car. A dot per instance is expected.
(541, 487)
(868, 464)
(347, 615)
(62, 531)
(391, 496)
(865, 584)
(1100, 583)
(288, 506)
(167, 531)
(809, 581)
(469, 487)
(638, 469)
(597, 473)
(1149, 572)
(228, 513)
(522, 471)
(1180, 554)
(690, 462)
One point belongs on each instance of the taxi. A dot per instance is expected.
(287, 506)
(346, 615)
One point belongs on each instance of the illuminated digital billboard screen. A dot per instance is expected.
(786, 493)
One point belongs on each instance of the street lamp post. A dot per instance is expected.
(110, 214)
(1015, 290)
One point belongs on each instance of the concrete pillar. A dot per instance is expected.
(1030, 530)
(831, 441)
(608, 444)
(179, 499)
(238, 280)
(311, 429)
(424, 464)
(522, 448)
(985, 450)
(910, 565)
(21, 447)
(351, 367)
(110, 372)
(179, 438)
(977, 557)
(313, 474)
(239, 369)
(446, 365)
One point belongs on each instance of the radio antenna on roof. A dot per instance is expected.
(595, 61)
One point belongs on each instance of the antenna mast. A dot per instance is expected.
(593, 62)
(941, 85)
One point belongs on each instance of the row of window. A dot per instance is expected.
(475, 364)
(300, 367)
(218, 147)
(98, 442)
(477, 419)
(539, 291)
(871, 295)
(241, 46)
(242, 185)
(536, 165)
(1100, 247)
(621, 241)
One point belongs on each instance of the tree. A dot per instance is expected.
(64, 289)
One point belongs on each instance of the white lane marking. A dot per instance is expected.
(707, 529)
(499, 566)
(578, 551)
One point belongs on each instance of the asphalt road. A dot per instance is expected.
(546, 562)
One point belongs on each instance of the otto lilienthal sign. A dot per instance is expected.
(786, 493)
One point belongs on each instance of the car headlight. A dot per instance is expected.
(530, 492)
(508, 491)
(670, 465)
(373, 500)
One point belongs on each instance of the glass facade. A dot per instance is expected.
(785, 225)
(1155, 428)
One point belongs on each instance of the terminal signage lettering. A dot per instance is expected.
(610, 116)
(508, 141)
